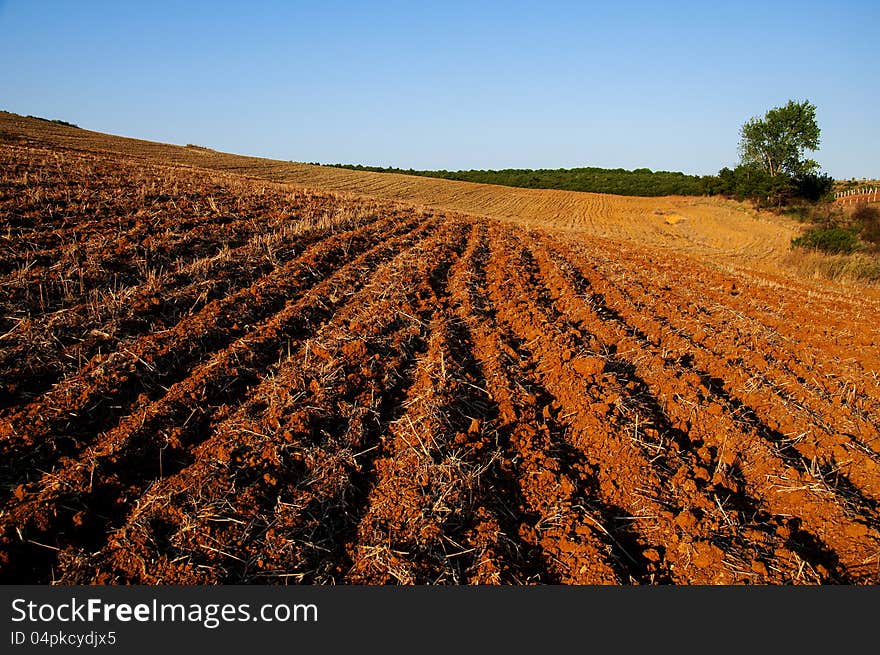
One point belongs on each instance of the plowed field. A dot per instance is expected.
(214, 379)
(723, 229)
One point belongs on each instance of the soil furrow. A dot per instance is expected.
(419, 485)
(63, 421)
(323, 417)
(810, 491)
(538, 470)
(590, 430)
(798, 440)
(46, 348)
(131, 456)
(761, 337)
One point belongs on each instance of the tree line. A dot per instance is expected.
(638, 182)
(772, 170)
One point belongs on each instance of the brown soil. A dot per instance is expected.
(213, 379)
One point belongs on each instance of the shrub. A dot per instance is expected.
(867, 220)
(753, 182)
(814, 187)
(53, 120)
(823, 214)
(800, 212)
(832, 240)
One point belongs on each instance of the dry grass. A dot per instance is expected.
(857, 268)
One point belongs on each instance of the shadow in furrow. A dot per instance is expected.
(82, 520)
(336, 533)
(329, 524)
(170, 365)
(498, 491)
(807, 546)
(624, 543)
(834, 480)
(149, 310)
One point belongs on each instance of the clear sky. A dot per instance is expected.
(664, 85)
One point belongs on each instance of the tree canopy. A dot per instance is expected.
(777, 142)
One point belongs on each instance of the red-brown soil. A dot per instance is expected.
(214, 379)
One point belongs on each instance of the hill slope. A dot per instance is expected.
(709, 227)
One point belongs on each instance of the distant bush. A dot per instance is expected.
(831, 240)
(753, 183)
(823, 214)
(56, 121)
(799, 212)
(814, 187)
(750, 182)
(867, 220)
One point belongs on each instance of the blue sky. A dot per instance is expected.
(663, 85)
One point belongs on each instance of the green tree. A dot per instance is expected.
(777, 142)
